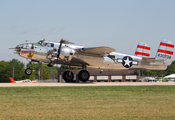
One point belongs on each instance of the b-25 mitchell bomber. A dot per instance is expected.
(67, 53)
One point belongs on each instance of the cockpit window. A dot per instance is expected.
(48, 44)
(45, 43)
(41, 42)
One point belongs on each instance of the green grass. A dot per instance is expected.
(114, 102)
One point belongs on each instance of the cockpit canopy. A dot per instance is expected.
(27, 80)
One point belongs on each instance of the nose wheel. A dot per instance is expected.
(28, 71)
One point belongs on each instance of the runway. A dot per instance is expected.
(85, 84)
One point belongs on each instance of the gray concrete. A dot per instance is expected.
(86, 84)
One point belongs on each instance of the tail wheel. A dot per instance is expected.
(28, 71)
(68, 76)
(83, 75)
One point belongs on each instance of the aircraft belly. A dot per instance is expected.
(92, 61)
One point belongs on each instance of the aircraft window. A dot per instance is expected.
(32, 46)
(52, 45)
(26, 45)
(47, 45)
(40, 42)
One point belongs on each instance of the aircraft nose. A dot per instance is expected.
(18, 48)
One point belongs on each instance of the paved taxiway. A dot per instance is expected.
(85, 84)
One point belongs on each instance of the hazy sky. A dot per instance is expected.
(120, 24)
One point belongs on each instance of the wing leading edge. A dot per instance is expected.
(95, 51)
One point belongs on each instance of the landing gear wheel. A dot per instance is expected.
(68, 76)
(28, 71)
(83, 75)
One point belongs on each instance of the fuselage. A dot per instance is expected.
(70, 56)
(102, 57)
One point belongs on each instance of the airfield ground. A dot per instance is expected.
(86, 84)
(87, 102)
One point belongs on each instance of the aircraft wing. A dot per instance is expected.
(95, 51)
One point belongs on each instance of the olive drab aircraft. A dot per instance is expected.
(67, 53)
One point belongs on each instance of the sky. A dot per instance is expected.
(120, 24)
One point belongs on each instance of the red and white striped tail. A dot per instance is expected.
(142, 50)
(165, 52)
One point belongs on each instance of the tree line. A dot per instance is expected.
(6, 71)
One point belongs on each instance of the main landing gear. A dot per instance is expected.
(68, 76)
(83, 75)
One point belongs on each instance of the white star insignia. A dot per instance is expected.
(127, 61)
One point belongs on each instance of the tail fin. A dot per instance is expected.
(12, 80)
(142, 50)
(165, 52)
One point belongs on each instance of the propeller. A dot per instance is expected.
(66, 41)
(62, 42)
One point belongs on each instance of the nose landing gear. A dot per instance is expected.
(28, 71)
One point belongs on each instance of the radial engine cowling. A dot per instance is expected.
(66, 54)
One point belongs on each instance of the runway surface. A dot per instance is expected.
(85, 84)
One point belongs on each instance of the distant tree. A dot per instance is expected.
(171, 69)
(56, 71)
(5, 72)
(19, 68)
(64, 67)
(46, 72)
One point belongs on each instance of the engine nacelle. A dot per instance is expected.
(66, 54)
